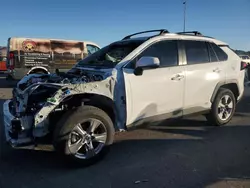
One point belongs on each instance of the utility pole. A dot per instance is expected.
(184, 3)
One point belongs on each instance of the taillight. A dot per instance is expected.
(11, 55)
(11, 67)
(243, 65)
(11, 61)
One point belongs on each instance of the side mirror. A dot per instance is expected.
(146, 62)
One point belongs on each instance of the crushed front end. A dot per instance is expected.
(28, 115)
(19, 112)
(17, 129)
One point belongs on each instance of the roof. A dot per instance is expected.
(174, 36)
(204, 38)
(163, 33)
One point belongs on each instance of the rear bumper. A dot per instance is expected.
(14, 138)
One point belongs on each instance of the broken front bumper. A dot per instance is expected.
(15, 131)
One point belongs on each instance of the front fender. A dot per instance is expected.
(41, 123)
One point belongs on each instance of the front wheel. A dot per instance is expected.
(84, 135)
(223, 108)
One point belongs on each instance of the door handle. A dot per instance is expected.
(177, 77)
(216, 70)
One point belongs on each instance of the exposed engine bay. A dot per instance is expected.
(38, 97)
(72, 77)
(50, 83)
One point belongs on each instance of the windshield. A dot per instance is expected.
(109, 56)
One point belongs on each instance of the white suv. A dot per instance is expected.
(127, 83)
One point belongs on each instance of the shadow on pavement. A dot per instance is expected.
(6, 83)
(244, 105)
(211, 154)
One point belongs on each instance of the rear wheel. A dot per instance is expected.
(84, 135)
(223, 108)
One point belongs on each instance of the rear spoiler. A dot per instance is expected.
(223, 45)
(226, 45)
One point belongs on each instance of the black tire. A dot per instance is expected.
(213, 117)
(65, 126)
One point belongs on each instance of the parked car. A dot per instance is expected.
(125, 84)
(32, 55)
(245, 58)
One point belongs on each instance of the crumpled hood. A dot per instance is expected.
(74, 76)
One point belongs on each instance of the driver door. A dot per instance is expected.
(158, 92)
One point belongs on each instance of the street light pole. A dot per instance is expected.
(184, 27)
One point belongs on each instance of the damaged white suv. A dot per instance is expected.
(126, 83)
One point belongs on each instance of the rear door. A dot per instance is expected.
(203, 72)
(13, 58)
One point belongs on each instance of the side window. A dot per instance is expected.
(213, 57)
(196, 52)
(222, 56)
(166, 51)
(92, 49)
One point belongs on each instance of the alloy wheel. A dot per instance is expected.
(225, 107)
(87, 139)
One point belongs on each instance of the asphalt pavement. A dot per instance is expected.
(185, 153)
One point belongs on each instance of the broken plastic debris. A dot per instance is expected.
(51, 100)
(140, 181)
(67, 92)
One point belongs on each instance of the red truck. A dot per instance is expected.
(3, 53)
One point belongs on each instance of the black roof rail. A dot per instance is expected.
(196, 33)
(209, 37)
(161, 31)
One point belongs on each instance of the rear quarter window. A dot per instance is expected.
(222, 56)
(231, 53)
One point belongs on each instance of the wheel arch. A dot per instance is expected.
(100, 101)
(230, 84)
(40, 68)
